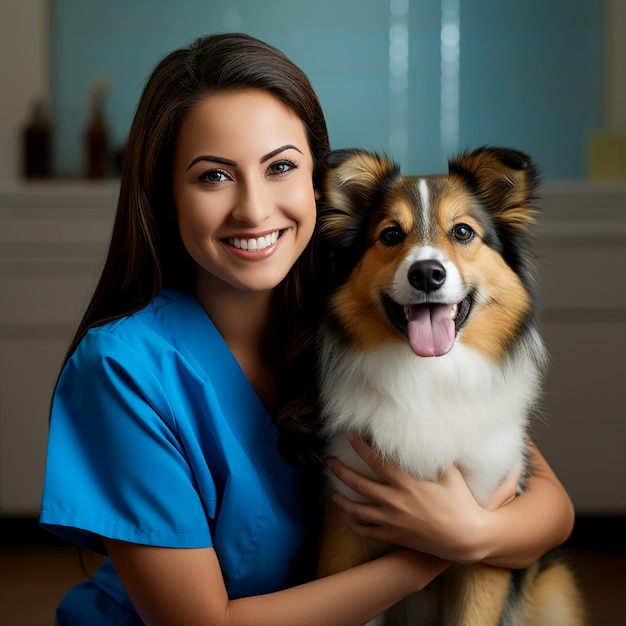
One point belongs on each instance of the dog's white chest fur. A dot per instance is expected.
(426, 414)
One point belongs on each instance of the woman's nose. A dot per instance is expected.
(253, 204)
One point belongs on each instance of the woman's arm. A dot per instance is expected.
(444, 519)
(185, 586)
(539, 519)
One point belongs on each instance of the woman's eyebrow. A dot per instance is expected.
(224, 161)
(273, 153)
(212, 159)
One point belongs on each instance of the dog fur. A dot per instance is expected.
(429, 348)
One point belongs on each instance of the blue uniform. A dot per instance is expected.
(158, 438)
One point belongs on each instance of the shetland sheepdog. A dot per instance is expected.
(430, 350)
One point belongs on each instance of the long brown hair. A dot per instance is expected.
(146, 252)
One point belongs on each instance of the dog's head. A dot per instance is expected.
(430, 258)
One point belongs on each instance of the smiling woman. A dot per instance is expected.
(247, 212)
(180, 365)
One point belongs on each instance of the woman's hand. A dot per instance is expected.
(444, 519)
(440, 518)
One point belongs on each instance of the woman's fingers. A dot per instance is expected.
(368, 488)
(506, 491)
(361, 513)
(391, 482)
(386, 471)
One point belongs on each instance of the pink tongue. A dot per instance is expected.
(431, 329)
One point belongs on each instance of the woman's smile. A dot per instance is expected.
(255, 244)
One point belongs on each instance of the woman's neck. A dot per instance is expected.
(244, 320)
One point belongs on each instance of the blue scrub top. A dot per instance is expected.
(158, 438)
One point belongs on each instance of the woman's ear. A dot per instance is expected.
(318, 194)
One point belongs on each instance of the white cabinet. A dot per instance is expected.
(582, 258)
(53, 239)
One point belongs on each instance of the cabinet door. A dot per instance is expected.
(53, 241)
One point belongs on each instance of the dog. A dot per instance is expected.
(429, 348)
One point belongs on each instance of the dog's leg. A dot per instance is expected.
(419, 609)
(473, 595)
(340, 548)
(552, 598)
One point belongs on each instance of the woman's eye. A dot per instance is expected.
(462, 232)
(391, 236)
(281, 167)
(213, 176)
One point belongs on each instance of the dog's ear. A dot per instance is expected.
(505, 180)
(352, 176)
(352, 182)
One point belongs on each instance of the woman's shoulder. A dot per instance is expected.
(163, 334)
(162, 319)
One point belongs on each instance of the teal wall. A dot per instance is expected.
(530, 73)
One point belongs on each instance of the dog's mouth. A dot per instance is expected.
(431, 328)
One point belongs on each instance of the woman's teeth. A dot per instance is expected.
(258, 243)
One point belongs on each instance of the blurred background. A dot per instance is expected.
(419, 79)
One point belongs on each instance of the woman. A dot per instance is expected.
(162, 449)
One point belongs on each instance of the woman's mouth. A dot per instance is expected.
(254, 243)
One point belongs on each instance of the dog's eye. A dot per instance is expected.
(391, 236)
(462, 232)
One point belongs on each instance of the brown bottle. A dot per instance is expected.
(96, 138)
(36, 144)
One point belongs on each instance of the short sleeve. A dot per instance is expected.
(116, 467)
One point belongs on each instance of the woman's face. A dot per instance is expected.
(243, 189)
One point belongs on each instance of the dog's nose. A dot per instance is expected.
(427, 275)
